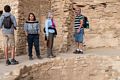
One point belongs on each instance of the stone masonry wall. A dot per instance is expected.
(89, 67)
(103, 16)
(21, 9)
(104, 22)
(63, 16)
(39, 8)
(14, 11)
(25, 7)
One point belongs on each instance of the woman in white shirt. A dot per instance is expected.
(50, 32)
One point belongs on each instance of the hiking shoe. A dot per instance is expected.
(75, 52)
(8, 62)
(80, 52)
(30, 58)
(48, 57)
(39, 57)
(53, 56)
(13, 62)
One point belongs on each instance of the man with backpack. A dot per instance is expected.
(79, 31)
(8, 24)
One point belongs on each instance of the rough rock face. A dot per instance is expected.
(104, 22)
(21, 9)
(40, 8)
(63, 11)
(69, 68)
(102, 14)
(103, 17)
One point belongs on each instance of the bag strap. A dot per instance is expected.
(7, 16)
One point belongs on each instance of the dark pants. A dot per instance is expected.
(50, 44)
(33, 39)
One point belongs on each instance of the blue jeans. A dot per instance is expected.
(79, 36)
(33, 39)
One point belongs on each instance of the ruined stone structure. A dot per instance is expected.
(103, 16)
(75, 67)
(104, 21)
(104, 32)
(21, 9)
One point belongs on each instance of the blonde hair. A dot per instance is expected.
(49, 14)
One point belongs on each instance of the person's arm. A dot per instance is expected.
(81, 25)
(38, 28)
(1, 21)
(46, 27)
(14, 22)
(25, 29)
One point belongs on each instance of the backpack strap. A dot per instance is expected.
(6, 17)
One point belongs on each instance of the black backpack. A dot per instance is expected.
(86, 23)
(7, 22)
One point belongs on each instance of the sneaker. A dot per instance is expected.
(30, 58)
(8, 62)
(48, 57)
(75, 52)
(39, 57)
(80, 52)
(13, 62)
(53, 56)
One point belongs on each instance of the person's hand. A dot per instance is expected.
(74, 35)
(15, 28)
(47, 37)
(78, 30)
(26, 34)
(55, 36)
